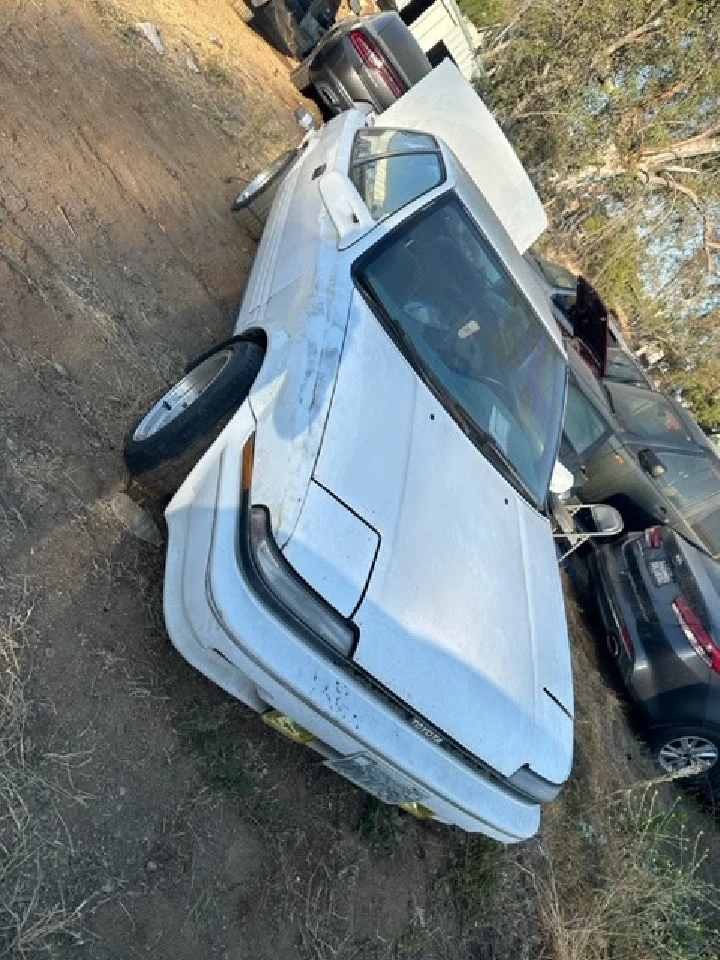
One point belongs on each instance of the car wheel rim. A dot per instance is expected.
(182, 395)
(259, 181)
(686, 753)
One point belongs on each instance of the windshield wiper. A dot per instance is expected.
(487, 444)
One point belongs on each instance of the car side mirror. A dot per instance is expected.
(651, 463)
(562, 481)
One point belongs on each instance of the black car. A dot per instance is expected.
(292, 26)
(659, 598)
(362, 63)
(643, 453)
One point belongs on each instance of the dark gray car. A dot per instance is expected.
(365, 63)
(643, 453)
(659, 598)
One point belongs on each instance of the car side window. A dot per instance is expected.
(688, 480)
(647, 414)
(564, 302)
(391, 168)
(582, 426)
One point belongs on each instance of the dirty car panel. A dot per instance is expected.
(334, 556)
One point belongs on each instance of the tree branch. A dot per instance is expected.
(709, 244)
(638, 35)
(495, 51)
(679, 169)
(702, 145)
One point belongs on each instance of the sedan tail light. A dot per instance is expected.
(374, 60)
(696, 634)
(653, 538)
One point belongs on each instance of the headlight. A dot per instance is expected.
(267, 567)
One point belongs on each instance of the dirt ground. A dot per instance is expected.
(151, 810)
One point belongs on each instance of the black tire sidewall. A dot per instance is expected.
(225, 395)
(277, 25)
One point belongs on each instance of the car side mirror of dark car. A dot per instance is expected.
(651, 463)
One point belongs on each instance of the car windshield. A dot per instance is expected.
(448, 302)
(692, 483)
(648, 414)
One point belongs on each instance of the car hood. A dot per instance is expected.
(445, 104)
(462, 617)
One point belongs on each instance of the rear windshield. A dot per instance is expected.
(448, 302)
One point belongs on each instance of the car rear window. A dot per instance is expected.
(391, 168)
(449, 303)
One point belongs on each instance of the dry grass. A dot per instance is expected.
(620, 869)
(617, 870)
(633, 889)
(30, 917)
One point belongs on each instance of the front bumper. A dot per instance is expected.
(221, 627)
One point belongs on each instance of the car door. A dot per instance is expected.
(689, 489)
(654, 426)
(605, 468)
(590, 438)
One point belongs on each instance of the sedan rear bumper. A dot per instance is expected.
(659, 668)
(221, 627)
(345, 83)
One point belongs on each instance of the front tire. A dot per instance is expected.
(167, 441)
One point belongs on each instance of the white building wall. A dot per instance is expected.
(440, 23)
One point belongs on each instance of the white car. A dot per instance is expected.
(363, 554)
